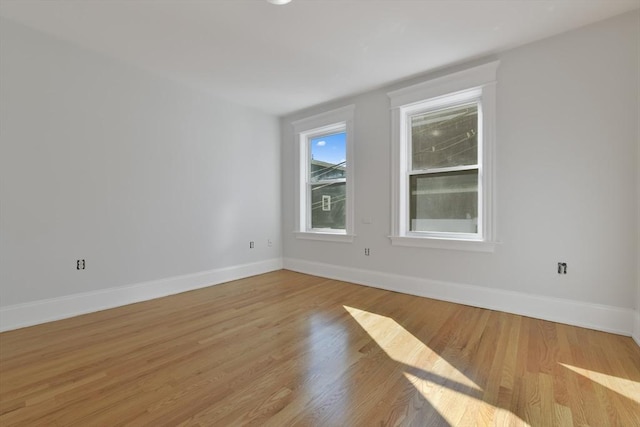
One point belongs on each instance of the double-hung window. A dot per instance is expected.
(325, 175)
(443, 132)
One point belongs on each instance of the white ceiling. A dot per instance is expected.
(283, 58)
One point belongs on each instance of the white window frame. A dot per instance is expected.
(338, 120)
(475, 84)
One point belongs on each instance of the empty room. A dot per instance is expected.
(320, 213)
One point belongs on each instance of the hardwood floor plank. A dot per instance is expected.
(286, 348)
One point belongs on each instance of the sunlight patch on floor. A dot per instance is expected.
(627, 388)
(437, 380)
(401, 346)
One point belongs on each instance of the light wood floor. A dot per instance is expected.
(290, 349)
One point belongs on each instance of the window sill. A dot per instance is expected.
(451, 244)
(326, 237)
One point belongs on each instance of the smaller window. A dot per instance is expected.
(327, 181)
(325, 171)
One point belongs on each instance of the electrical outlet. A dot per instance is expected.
(562, 268)
(80, 264)
(269, 243)
(251, 245)
(367, 252)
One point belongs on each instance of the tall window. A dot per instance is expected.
(327, 180)
(325, 171)
(443, 152)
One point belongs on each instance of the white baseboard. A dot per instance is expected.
(33, 313)
(636, 327)
(593, 316)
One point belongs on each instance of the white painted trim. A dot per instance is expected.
(325, 237)
(304, 129)
(451, 83)
(578, 313)
(636, 328)
(42, 311)
(475, 84)
(450, 244)
(337, 115)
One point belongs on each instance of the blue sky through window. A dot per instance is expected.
(330, 148)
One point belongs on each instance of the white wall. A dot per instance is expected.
(148, 180)
(143, 178)
(566, 187)
(636, 330)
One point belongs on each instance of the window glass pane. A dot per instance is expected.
(444, 138)
(445, 202)
(328, 205)
(328, 157)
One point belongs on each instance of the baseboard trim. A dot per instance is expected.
(42, 311)
(636, 327)
(593, 316)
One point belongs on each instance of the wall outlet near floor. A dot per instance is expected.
(80, 264)
(562, 268)
(251, 245)
(367, 252)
